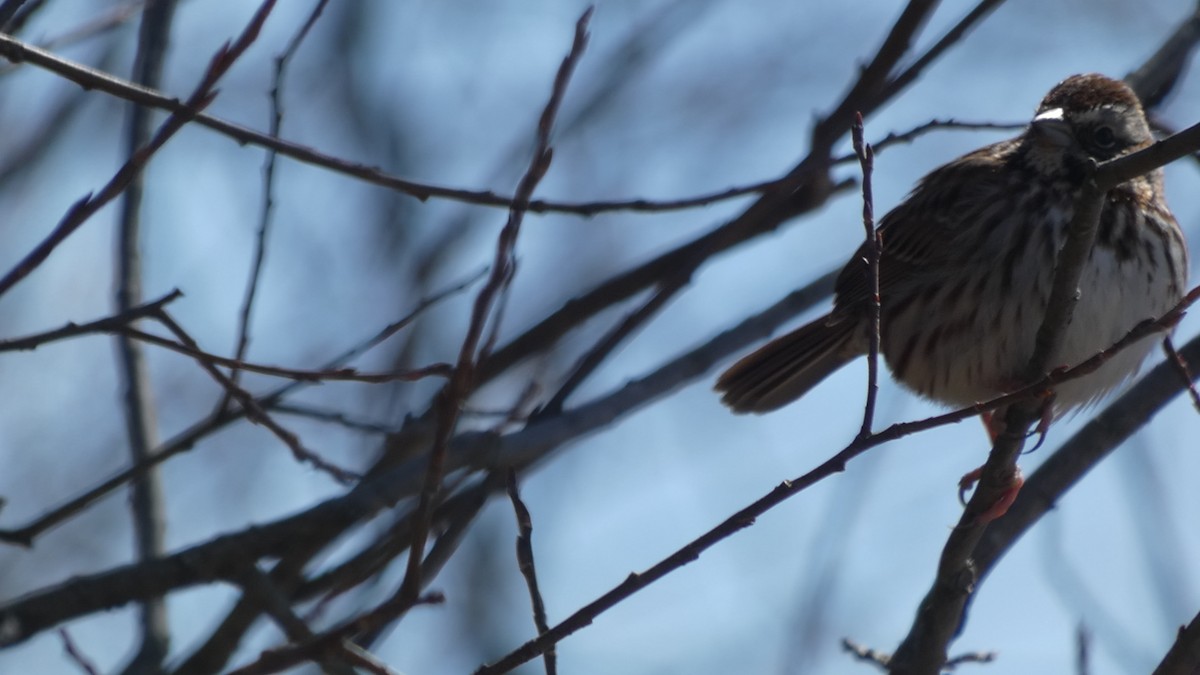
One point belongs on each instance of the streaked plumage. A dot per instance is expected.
(968, 260)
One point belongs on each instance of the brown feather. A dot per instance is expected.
(785, 368)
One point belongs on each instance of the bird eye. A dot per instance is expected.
(1104, 137)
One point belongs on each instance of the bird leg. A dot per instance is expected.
(994, 424)
(998, 508)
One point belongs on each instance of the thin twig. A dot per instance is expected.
(327, 375)
(604, 347)
(866, 158)
(1079, 454)
(746, 517)
(89, 78)
(36, 611)
(525, 563)
(82, 210)
(1178, 145)
(333, 417)
(110, 19)
(120, 324)
(951, 37)
(75, 654)
(456, 390)
(868, 91)
(1181, 366)
(188, 438)
(940, 615)
(268, 200)
(330, 641)
(865, 654)
(106, 325)
(255, 413)
(497, 311)
(902, 137)
(954, 662)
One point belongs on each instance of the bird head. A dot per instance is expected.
(1086, 117)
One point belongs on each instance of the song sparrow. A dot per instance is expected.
(968, 259)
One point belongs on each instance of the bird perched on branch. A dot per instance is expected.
(967, 263)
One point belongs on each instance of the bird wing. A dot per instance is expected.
(927, 232)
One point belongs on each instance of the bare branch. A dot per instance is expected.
(1181, 366)
(940, 614)
(325, 375)
(867, 92)
(268, 202)
(462, 380)
(89, 78)
(1183, 658)
(226, 556)
(951, 37)
(255, 413)
(898, 138)
(866, 159)
(1157, 77)
(75, 654)
(83, 209)
(188, 438)
(106, 325)
(147, 504)
(865, 654)
(746, 516)
(605, 346)
(528, 569)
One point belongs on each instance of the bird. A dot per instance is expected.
(966, 265)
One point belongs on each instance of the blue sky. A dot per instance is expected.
(448, 93)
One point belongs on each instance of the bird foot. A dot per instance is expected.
(998, 508)
(1046, 417)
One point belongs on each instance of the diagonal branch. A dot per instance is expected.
(85, 208)
(188, 438)
(784, 491)
(525, 562)
(462, 380)
(106, 325)
(939, 617)
(225, 557)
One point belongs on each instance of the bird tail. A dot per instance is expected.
(785, 368)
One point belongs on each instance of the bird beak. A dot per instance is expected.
(1049, 128)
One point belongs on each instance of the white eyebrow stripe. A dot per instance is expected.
(1051, 114)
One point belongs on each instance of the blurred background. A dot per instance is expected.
(673, 98)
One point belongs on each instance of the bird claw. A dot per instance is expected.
(998, 508)
(965, 483)
(1043, 426)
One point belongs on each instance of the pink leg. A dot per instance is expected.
(1000, 506)
(994, 427)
